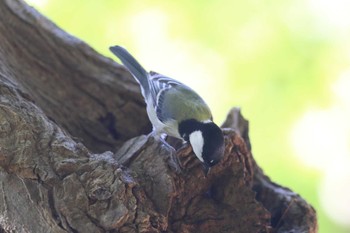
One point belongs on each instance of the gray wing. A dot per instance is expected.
(176, 101)
(159, 84)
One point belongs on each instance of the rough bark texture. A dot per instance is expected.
(72, 158)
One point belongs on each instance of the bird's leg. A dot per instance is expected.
(161, 137)
(174, 161)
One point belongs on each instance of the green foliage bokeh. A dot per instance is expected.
(273, 58)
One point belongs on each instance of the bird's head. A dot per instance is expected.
(206, 139)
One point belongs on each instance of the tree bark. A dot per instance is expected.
(74, 157)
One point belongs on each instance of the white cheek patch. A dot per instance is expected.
(197, 142)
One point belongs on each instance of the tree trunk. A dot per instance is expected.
(72, 158)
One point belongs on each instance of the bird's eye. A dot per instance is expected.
(211, 161)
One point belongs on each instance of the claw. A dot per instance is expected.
(173, 160)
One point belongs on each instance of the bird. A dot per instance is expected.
(176, 110)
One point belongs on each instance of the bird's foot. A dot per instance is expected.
(173, 159)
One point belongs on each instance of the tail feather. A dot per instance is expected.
(133, 66)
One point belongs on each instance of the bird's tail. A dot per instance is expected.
(133, 66)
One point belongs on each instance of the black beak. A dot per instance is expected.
(206, 170)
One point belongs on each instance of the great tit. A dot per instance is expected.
(176, 110)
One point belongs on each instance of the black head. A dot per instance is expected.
(206, 139)
(214, 146)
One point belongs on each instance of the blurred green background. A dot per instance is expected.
(285, 63)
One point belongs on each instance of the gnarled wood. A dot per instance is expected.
(72, 158)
